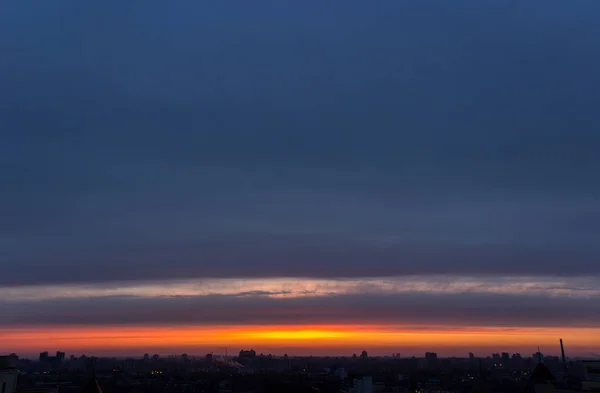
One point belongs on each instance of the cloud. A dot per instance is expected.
(242, 231)
(571, 287)
(288, 256)
(298, 141)
(256, 308)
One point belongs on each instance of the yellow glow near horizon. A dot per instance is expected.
(295, 334)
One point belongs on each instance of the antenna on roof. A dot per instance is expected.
(562, 352)
(539, 355)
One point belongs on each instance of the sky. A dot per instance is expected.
(308, 177)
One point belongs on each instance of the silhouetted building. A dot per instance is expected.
(8, 361)
(516, 361)
(591, 377)
(340, 373)
(129, 364)
(431, 356)
(8, 374)
(90, 365)
(247, 354)
(431, 360)
(8, 379)
(540, 380)
(538, 357)
(363, 385)
(45, 358)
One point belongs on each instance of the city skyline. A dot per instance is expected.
(392, 177)
(246, 352)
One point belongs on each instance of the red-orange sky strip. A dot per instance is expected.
(318, 336)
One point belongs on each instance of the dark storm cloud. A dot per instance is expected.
(398, 309)
(150, 140)
(303, 258)
(275, 233)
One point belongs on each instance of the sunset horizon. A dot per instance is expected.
(449, 314)
(313, 340)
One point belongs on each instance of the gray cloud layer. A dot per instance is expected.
(422, 310)
(145, 140)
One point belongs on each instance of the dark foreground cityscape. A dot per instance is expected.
(249, 372)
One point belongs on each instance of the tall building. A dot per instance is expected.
(431, 359)
(516, 360)
(431, 356)
(247, 354)
(45, 358)
(8, 380)
(8, 374)
(363, 385)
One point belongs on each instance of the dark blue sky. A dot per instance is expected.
(153, 140)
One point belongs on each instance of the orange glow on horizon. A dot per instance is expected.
(171, 339)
